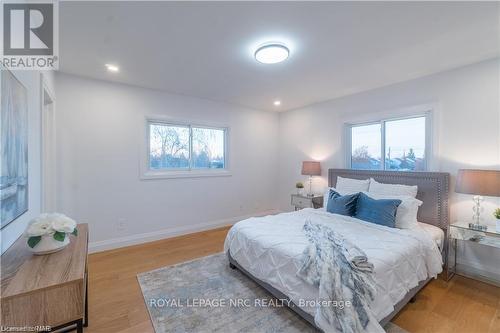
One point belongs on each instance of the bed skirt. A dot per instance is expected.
(308, 317)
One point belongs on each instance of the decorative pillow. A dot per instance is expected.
(343, 205)
(406, 214)
(350, 186)
(381, 211)
(392, 189)
(327, 195)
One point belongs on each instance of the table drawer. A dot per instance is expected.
(301, 202)
(474, 236)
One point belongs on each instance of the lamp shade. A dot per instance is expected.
(478, 182)
(311, 168)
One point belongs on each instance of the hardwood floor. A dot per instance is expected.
(116, 303)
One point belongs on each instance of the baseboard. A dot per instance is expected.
(115, 243)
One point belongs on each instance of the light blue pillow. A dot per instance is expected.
(341, 204)
(381, 211)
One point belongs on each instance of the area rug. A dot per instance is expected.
(205, 295)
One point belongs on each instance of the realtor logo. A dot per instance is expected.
(29, 32)
(28, 29)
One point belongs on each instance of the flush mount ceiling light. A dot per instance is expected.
(277, 103)
(272, 53)
(112, 68)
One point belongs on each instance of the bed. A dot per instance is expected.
(269, 249)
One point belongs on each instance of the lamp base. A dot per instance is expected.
(477, 209)
(310, 194)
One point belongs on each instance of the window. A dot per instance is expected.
(208, 148)
(390, 144)
(405, 144)
(179, 147)
(366, 147)
(168, 146)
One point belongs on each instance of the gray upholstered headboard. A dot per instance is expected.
(433, 188)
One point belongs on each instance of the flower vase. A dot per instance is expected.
(49, 245)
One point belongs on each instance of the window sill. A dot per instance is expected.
(150, 175)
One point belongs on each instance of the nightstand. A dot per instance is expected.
(461, 231)
(46, 290)
(302, 201)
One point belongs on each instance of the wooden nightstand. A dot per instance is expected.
(460, 231)
(46, 290)
(303, 201)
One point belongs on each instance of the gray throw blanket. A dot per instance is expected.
(343, 274)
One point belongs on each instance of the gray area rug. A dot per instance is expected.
(205, 295)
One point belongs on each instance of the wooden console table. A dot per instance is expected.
(47, 290)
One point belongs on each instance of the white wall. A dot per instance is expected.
(100, 128)
(466, 131)
(32, 81)
(100, 131)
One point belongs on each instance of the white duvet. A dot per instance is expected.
(271, 247)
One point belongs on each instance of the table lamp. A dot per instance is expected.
(478, 183)
(311, 168)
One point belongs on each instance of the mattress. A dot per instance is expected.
(436, 233)
(270, 248)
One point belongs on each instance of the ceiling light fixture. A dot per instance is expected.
(277, 103)
(272, 53)
(112, 68)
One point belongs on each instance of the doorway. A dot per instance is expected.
(48, 151)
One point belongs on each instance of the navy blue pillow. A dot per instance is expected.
(381, 211)
(341, 204)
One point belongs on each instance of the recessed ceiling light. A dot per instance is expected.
(272, 53)
(277, 103)
(112, 68)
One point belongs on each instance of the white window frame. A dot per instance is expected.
(427, 113)
(190, 172)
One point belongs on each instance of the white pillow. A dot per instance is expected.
(350, 186)
(406, 214)
(392, 189)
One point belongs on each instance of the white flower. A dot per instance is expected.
(62, 223)
(39, 227)
(47, 224)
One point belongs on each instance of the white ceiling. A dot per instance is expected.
(206, 49)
